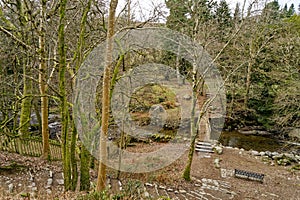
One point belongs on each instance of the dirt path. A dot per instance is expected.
(33, 176)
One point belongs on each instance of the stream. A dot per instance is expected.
(254, 142)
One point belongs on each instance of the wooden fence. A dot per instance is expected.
(29, 146)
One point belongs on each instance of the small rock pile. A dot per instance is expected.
(283, 159)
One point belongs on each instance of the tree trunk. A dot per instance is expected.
(84, 154)
(194, 129)
(73, 161)
(27, 98)
(84, 169)
(248, 82)
(63, 96)
(25, 105)
(43, 82)
(105, 97)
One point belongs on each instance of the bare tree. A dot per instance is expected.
(105, 96)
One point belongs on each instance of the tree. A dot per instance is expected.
(63, 96)
(271, 11)
(237, 13)
(285, 10)
(105, 96)
(178, 17)
(223, 16)
(43, 81)
(291, 11)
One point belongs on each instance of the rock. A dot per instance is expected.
(268, 153)
(49, 191)
(274, 154)
(49, 181)
(162, 187)
(60, 181)
(272, 163)
(34, 189)
(148, 184)
(182, 191)
(255, 153)
(120, 183)
(291, 157)
(50, 174)
(187, 97)
(217, 163)
(146, 194)
(262, 153)
(218, 150)
(11, 188)
(278, 156)
(223, 173)
(170, 190)
(177, 104)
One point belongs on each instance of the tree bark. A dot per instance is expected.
(43, 82)
(105, 97)
(63, 96)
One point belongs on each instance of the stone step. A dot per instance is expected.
(203, 143)
(203, 150)
(204, 147)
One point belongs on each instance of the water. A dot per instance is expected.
(254, 142)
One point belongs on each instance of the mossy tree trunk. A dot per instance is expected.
(84, 154)
(84, 169)
(73, 160)
(43, 82)
(27, 83)
(24, 124)
(105, 96)
(63, 97)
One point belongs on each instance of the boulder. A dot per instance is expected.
(218, 150)
(11, 188)
(277, 157)
(187, 97)
(217, 163)
(255, 153)
(262, 153)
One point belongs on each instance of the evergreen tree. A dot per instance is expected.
(237, 13)
(187, 16)
(284, 11)
(223, 15)
(271, 10)
(178, 17)
(291, 10)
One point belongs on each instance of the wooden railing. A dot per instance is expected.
(28, 146)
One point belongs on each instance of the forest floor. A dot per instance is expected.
(20, 176)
